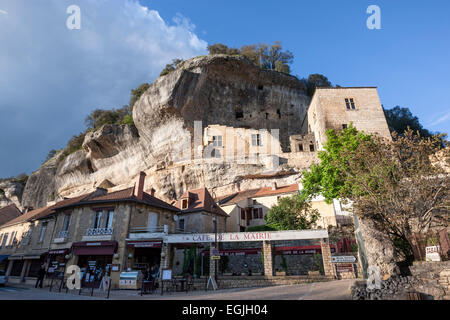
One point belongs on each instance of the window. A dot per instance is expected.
(96, 220)
(1, 240)
(181, 224)
(311, 147)
(43, 228)
(109, 219)
(260, 87)
(239, 114)
(5, 239)
(217, 141)
(267, 115)
(344, 126)
(279, 113)
(66, 222)
(152, 222)
(350, 103)
(13, 239)
(300, 147)
(242, 214)
(184, 204)
(256, 139)
(257, 213)
(216, 153)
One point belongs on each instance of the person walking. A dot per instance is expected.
(41, 275)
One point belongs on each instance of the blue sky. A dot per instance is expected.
(52, 77)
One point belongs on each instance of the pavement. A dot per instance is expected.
(332, 290)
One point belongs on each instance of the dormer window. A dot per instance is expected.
(184, 203)
(350, 103)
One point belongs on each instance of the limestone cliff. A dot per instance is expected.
(11, 192)
(213, 89)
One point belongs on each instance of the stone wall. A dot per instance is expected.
(429, 279)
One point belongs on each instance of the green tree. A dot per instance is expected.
(100, 117)
(137, 93)
(292, 213)
(220, 48)
(328, 177)
(171, 67)
(400, 119)
(396, 184)
(316, 80)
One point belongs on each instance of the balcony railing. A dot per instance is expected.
(63, 234)
(99, 232)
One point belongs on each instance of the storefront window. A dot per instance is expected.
(16, 269)
(35, 265)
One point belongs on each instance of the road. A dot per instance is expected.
(333, 290)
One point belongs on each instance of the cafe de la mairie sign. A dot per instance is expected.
(246, 236)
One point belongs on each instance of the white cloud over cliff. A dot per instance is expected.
(52, 77)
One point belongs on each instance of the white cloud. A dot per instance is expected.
(3, 12)
(52, 77)
(440, 119)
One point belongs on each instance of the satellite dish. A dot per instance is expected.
(175, 218)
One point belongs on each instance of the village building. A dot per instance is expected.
(248, 208)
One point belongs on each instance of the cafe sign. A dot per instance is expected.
(246, 236)
(432, 253)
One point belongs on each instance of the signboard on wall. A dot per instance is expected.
(339, 259)
(432, 253)
(247, 236)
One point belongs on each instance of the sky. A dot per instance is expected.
(51, 76)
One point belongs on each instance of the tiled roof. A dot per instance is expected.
(9, 213)
(121, 195)
(45, 211)
(255, 193)
(199, 200)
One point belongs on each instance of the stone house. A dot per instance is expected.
(248, 208)
(336, 108)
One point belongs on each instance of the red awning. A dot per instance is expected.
(100, 248)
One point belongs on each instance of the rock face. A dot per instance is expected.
(426, 279)
(215, 90)
(221, 90)
(11, 192)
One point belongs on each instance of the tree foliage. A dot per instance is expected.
(268, 57)
(171, 67)
(400, 119)
(396, 184)
(292, 213)
(100, 117)
(316, 80)
(137, 93)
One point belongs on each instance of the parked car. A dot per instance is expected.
(3, 278)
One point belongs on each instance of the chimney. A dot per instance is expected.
(274, 185)
(140, 186)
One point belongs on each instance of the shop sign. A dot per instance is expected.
(145, 244)
(432, 253)
(338, 259)
(215, 257)
(246, 236)
(345, 267)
